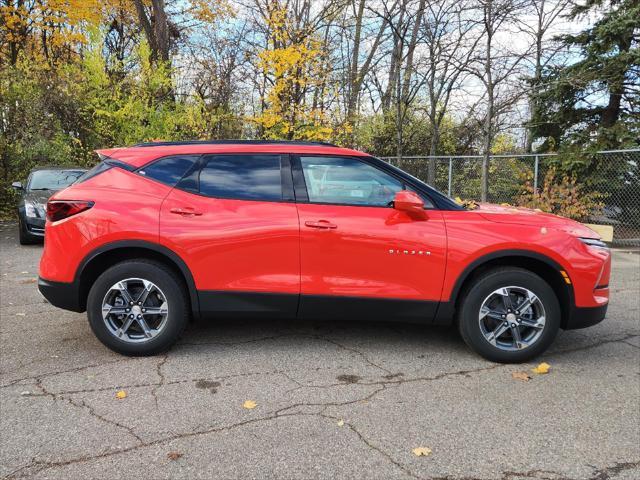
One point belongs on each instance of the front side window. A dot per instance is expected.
(242, 177)
(347, 181)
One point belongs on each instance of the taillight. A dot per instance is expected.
(59, 209)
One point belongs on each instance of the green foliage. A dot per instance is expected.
(377, 133)
(139, 107)
(58, 117)
(592, 102)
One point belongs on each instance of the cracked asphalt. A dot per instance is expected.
(334, 400)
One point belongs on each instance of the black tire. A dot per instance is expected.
(490, 281)
(176, 297)
(25, 237)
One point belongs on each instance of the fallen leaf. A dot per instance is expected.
(421, 451)
(24, 272)
(120, 394)
(174, 455)
(340, 423)
(25, 393)
(542, 368)
(521, 376)
(29, 280)
(21, 314)
(249, 404)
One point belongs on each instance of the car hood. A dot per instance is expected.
(39, 197)
(528, 216)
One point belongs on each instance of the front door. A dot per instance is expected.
(233, 221)
(359, 256)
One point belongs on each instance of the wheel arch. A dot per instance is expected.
(542, 265)
(107, 255)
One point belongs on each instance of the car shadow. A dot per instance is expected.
(373, 334)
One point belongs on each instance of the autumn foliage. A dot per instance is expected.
(561, 194)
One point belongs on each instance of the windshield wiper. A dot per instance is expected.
(38, 189)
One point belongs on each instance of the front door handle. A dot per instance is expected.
(186, 212)
(324, 224)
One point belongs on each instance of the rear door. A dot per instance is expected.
(233, 220)
(359, 256)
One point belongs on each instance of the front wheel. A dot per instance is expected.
(138, 307)
(509, 315)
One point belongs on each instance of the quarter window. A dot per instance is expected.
(344, 180)
(243, 177)
(169, 170)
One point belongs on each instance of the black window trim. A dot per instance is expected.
(300, 184)
(286, 182)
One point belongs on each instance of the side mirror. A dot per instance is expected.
(17, 185)
(410, 203)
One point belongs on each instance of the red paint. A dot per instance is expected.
(234, 244)
(284, 247)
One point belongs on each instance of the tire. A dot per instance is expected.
(477, 331)
(170, 293)
(25, 237)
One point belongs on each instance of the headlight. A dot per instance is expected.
(593, 242)
(33, 211)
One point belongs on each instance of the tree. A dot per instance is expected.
(450, 40)
(593, 102)
(496, 71)
(546, 13)
(357, 68)
(293, 63)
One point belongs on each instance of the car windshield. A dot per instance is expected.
(53, 179)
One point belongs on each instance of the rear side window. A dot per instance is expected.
(169, 170)
(242, 177)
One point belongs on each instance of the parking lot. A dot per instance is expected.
(332, 400)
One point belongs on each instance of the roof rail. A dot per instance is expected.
(233, 142)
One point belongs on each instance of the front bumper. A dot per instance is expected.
(35, 226)
(61, 294)
(583, 317)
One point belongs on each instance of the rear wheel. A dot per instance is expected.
(138, 307)
(509, 315)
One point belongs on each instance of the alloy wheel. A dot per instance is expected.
(135, 310)
(512, 318)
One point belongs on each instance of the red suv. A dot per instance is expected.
(158, 233)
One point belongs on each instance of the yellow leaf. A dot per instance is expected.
(120, 394)
(521, 376)
(340, 423)
(421, 451)
(542, 368)
(249, 404)
(174, 455)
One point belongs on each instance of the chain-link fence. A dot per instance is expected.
(607, 184)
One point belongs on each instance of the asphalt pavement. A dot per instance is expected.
(339, 400)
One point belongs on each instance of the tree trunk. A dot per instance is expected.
(533, 103)
(155, 28)
(354, 81)
(161, 30)
(488, 124)
(433, 151)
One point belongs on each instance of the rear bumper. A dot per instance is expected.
(61, 294)
(583, 317)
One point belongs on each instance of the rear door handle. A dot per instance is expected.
(186, 212)
(324, 224)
